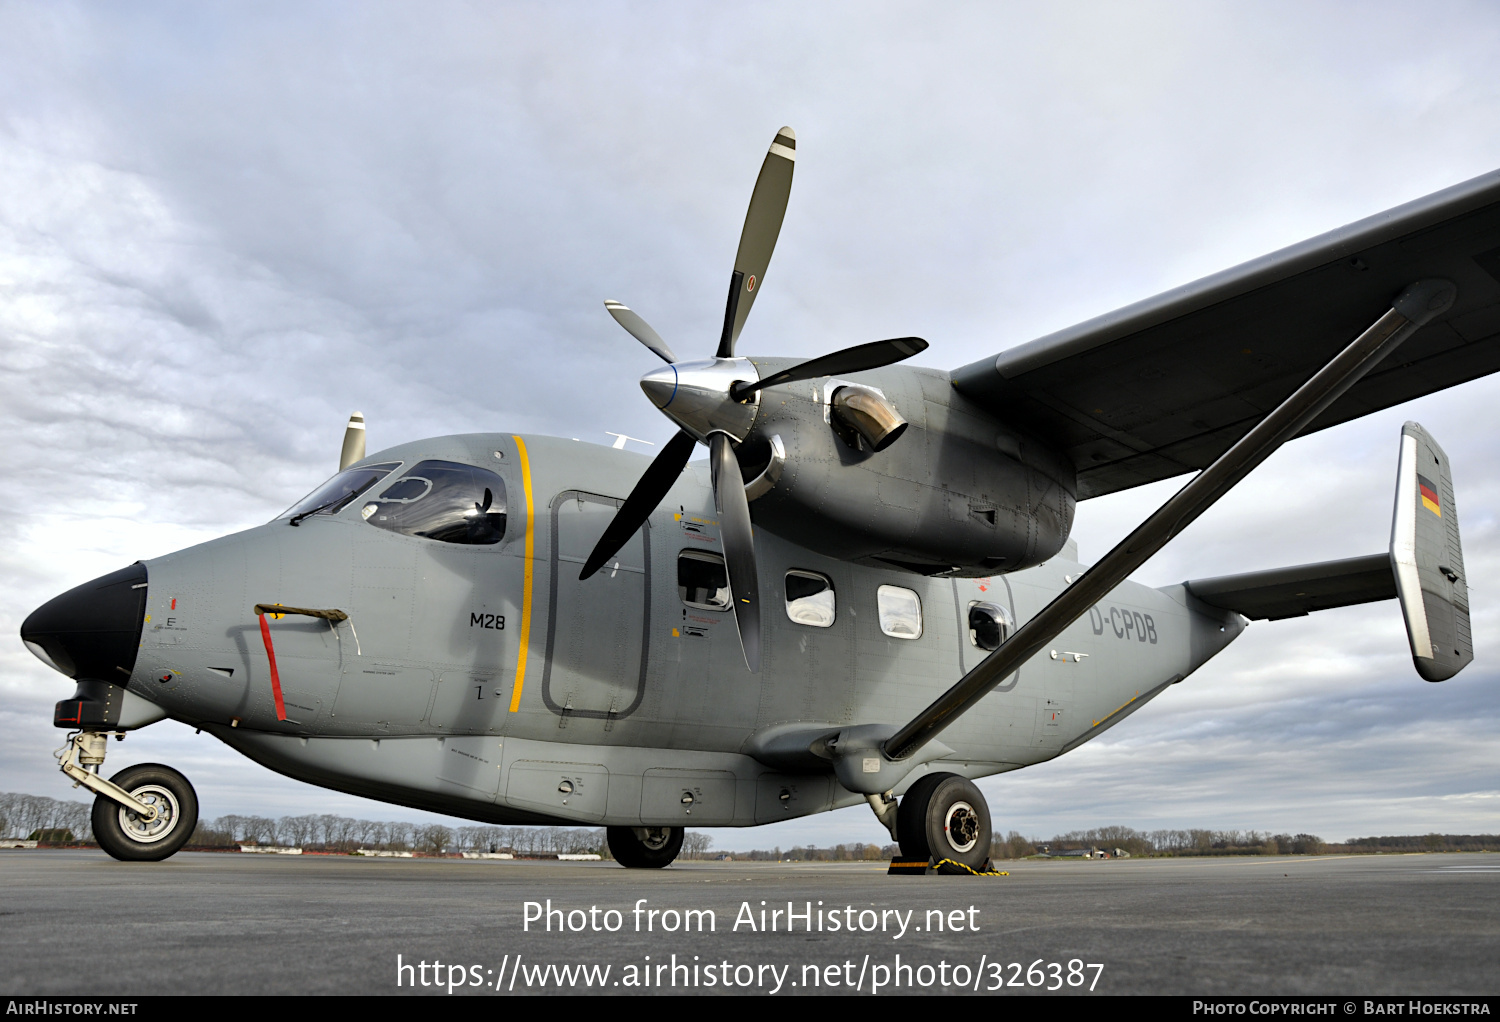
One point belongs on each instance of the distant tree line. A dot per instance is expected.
(57, 821)
(812, 853)
(1107, 839)
(54, 821)
(1231, 842)
(1161, 843)
(1428, 843)
(329, 833)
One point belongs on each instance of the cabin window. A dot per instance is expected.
(335, 495)
(809, 598)
(445, 501)
(900, 612)
(989, 625)
(702, 580)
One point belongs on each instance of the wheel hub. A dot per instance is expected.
(961, 826)
(137, 828)
(654, 838)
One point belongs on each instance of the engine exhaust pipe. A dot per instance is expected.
(861, 413)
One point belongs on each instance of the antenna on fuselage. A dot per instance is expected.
(620, 439)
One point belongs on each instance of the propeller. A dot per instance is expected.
(649, 491)
(640, 330)
(758, 237)
(850, 360)
(714, 401)
(739, 548)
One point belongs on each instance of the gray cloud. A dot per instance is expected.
(223, 229)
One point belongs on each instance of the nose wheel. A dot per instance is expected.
(132, 836)
(944, 816)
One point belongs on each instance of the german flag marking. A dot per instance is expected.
(1429, 495)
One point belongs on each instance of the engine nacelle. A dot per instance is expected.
(896, 467)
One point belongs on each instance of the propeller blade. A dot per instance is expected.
(649, 491)
(739, 546)
(850, 360)
(639, 329)
(354, 441)
(758, 238)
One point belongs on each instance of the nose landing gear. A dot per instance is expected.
(130, 836)
(143, 813)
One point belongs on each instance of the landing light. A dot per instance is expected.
(41, 654)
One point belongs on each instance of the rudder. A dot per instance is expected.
(1427, 558)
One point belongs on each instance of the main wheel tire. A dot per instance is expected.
(644, 847)
(911, 817)
(124, 834)
(947, 819)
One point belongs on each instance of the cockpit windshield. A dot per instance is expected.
(334, 495)
(445, 501)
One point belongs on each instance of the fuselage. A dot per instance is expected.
(486, 681)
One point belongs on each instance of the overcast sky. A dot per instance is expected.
(224, 227)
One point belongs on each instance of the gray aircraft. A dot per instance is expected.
(527, 630)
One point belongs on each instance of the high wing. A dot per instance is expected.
(1166, 385)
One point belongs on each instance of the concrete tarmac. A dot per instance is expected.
(246, 924)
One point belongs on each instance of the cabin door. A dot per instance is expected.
(596, 628)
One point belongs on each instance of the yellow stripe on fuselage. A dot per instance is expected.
(1432, 506)
(515, 692)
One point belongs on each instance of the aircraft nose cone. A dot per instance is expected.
(93, 630)
(660, 385)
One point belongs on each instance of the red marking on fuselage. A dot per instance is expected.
(265, 635)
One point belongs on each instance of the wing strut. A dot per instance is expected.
(1416, 305)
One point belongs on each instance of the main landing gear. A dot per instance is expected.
(143, 813)
(944, 816)
(644, 847)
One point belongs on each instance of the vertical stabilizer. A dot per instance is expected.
(1428, 560)
(354, 441)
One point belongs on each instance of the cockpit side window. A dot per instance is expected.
(336, 494)
(445, 501)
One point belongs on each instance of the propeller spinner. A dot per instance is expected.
(714, 401)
